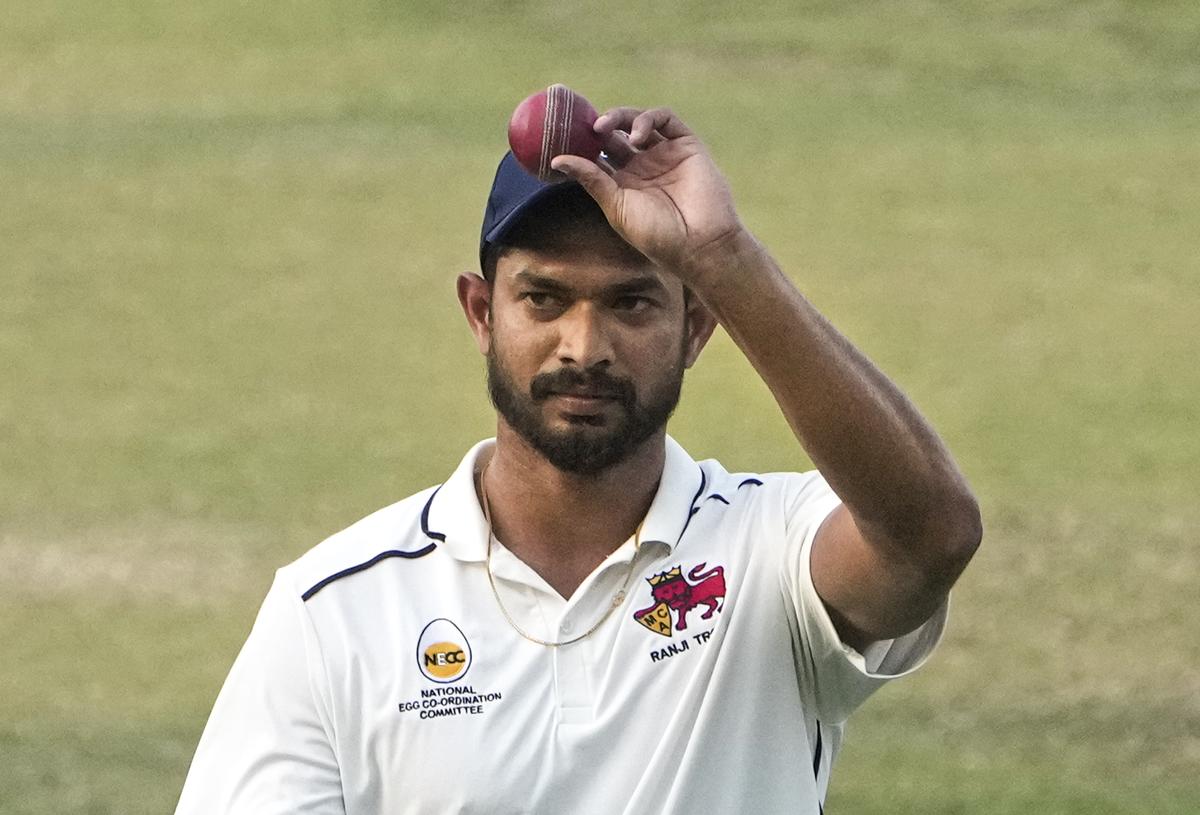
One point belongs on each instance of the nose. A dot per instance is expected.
(583, 338)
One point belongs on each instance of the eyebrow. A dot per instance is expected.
(638, 285)
(530, 278)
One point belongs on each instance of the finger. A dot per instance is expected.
(615, 119)
(616, 124)
(618, 149)
(663, 120)
(653, 138)
(606, 165)
(598, 183)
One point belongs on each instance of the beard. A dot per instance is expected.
(590, 444)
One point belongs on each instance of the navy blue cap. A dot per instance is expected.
(514, 191)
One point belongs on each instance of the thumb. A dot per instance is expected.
(592, 178)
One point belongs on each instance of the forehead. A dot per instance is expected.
(583, 267)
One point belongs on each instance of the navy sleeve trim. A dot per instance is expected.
(749, 482)
(362, 567)
(437, 536)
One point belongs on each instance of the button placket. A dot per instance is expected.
(572, 663)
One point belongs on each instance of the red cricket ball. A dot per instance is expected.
(553, 122)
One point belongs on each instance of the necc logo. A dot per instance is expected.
(443, 653)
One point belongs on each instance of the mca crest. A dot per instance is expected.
(672, 591)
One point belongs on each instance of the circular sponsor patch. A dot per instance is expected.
(443, 653)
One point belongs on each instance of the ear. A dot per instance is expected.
(475, 297)
(700, 324)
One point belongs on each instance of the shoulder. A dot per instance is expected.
(399, 530)
(787, 492)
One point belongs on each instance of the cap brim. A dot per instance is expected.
(517, 190)
(497, 232)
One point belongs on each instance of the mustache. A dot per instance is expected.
(592, 381)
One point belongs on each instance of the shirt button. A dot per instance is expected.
(566, 625)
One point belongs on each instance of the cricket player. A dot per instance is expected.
(582, 618)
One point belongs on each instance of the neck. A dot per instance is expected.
(564, 524)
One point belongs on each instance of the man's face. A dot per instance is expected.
(588, 348)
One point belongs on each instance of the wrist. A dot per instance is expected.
(733, 253)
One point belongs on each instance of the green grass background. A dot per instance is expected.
(228, 238)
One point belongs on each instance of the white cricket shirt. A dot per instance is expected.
(381, 678)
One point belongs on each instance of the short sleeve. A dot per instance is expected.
(267, 748)
(835, 678)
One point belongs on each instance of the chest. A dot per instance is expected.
(441, 694)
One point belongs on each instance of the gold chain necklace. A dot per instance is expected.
(617, 600)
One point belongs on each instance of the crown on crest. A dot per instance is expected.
(662, 577)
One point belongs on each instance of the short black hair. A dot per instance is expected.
(549, 224)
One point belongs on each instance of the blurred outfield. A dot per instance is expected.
(228, 237)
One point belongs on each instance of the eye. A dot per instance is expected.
(632, 303)
(541, 300)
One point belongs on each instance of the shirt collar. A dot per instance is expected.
(454, 517)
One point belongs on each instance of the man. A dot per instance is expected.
(582, 619)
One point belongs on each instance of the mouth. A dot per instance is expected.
(572, 394)
(585, 401)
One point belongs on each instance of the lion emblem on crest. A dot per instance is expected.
(672, 591)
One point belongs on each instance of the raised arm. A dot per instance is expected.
(885, 560)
